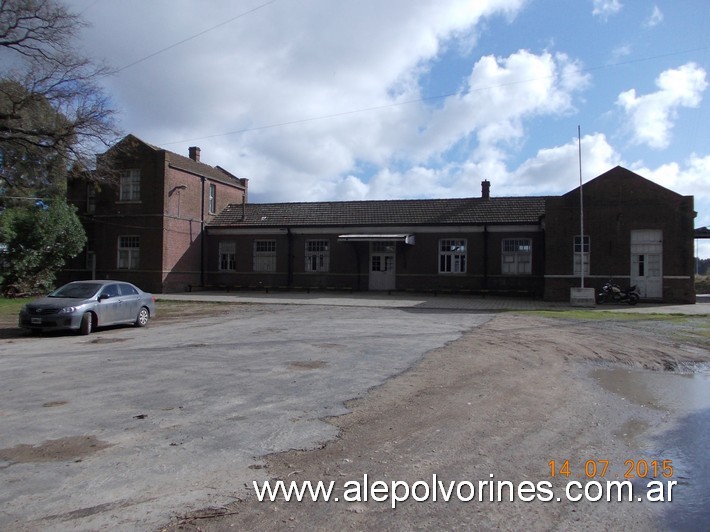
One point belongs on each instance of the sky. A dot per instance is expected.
(317, 100)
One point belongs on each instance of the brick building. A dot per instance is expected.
(170, 223)
(636, 232)
(447, 244)
(145, 221)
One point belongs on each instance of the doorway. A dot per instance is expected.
(382, 265)
(647, 262)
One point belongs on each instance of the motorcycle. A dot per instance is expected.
(612, 293)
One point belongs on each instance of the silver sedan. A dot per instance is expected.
(84, 305)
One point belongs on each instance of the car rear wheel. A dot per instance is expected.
(87, 324)
(143, 317)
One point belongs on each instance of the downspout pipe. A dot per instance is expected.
(202, 234)
(485, 257)
(289, 235)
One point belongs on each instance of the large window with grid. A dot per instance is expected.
(452, 256)
(227, 256)
(317, 255)
(517, 256)
(265, 256)
(212, 204)
(130, 185)
(581, 255)
(129, 252)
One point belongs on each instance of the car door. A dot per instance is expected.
(130, 302)
(108, 308)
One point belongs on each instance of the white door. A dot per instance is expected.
(382, 265)
(647, 262)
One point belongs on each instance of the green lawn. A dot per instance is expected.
(10, 307)
(606, 315)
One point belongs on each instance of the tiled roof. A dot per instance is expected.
(508, 210)
(176, 160)
(212, 172)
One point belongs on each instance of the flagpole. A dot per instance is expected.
(581, 209)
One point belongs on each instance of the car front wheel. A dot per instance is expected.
(87, 324)
(143, 317)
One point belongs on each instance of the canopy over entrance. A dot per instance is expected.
(398, 237)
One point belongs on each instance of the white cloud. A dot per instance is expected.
(618, 53)
(688, 178)
(552, 171)
(290, 64)
(556, 170)
(652, 115)
(655, 18)
(501, 93)
(605, 8)
(305, 160)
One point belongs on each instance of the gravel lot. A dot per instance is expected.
(501, 402)
(129, 427)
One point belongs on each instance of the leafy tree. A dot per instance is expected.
(53, 114)
(29, 170)
(39, 240)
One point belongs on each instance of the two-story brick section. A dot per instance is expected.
(145, 220)
(172, 223)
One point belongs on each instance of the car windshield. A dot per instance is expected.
(76, 290)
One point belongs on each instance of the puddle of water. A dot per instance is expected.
(686, 444)
(661, 390)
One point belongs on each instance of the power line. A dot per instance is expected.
(192, 37)
(424, 99)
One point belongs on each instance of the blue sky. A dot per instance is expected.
(337, 100)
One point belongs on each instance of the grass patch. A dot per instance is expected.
(595, 315)
(172, 309)
(684, 328)
(10, 308)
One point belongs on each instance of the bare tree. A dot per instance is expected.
(51, 105)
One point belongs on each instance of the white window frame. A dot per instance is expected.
(265, 255)
(227, 256)
(128, 252)
(317, 256)
(452, 255)
(130, 185)
(580, 256)
(213, 198)
(516, 256)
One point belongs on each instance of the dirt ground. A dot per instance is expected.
(168, 312)
(503, 400)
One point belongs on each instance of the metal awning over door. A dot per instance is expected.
(359, 237)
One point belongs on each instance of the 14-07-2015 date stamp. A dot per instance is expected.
(595, 468)
(633, 470)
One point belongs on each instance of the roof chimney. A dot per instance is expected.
(195, 153)
(485, 189)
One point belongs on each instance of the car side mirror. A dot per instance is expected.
(103, 296)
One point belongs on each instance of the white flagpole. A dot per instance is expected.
(581, 209)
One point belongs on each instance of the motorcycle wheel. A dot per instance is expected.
(633, 299)
(602, 298)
